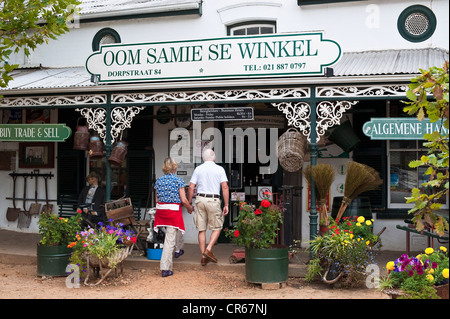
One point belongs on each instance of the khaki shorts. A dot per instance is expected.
(208, 212)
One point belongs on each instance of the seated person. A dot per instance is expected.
(94, 196)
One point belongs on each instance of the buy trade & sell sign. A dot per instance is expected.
(34, 132)
(408, 128)
(265, 55)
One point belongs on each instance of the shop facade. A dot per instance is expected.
(154, 116)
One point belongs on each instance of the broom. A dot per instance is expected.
(360, 178)
(323, 176)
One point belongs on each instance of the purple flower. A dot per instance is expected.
(434, 265)
(410, 273)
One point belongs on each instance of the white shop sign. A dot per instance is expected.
(289, 54)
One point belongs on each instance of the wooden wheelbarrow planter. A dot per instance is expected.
(105, 263)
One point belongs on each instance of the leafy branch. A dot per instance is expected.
(429, 199)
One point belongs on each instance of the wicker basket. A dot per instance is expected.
(291, 150)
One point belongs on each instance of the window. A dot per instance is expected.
(416, 23)
(401, 178)
(253, 28)
(105, 36)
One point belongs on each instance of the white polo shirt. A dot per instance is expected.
(207, 177)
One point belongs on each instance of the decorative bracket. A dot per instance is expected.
(329, 113)
(121, 118)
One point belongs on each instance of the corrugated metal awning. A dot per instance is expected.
(388, 62)
(353, 64)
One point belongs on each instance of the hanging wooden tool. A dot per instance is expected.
(24, 216)
(35, 207)
(47, 207)
(12, 213)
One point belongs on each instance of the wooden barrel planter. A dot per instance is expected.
(360, 206)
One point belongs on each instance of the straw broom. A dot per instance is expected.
(323, 176)
(360, 178)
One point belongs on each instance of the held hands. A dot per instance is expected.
(225, 210)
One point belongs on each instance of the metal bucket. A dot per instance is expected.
(267, 265)
(81, 138)
(95, 148)
(344, 137)
(52, 260)
(118, 153)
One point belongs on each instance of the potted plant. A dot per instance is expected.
(103, 247)
(344, 252)
(256, 230)
(422, 277)
(52, 251)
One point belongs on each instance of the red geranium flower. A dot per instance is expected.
(265, 203)
(236, 233)
(258, 211)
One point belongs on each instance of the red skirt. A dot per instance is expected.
(169, 215)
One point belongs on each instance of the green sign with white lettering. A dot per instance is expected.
(34, 132)
(287, 54)
(400, 128)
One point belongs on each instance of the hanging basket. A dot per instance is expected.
(81, 138)
(291, 150)
(118, 153)
(95, 148)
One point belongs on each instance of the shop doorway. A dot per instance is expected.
(133, 178)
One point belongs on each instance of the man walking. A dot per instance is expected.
(209, 178)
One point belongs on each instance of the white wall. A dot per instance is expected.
(356, 26)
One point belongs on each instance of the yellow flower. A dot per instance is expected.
(368, 242)
(429, 251)
(430, 278)
(444, 249)
(361, 219)
(368, 222)
(445, 273)
(430, 271)
(351, 236)
(390, 265)
(358, 224)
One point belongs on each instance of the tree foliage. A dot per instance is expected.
(428, 200)
(27, 24)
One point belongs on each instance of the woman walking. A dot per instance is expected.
(170, 196)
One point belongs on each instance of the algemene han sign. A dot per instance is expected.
(264, 55)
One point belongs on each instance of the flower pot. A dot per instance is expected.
(442, 291)
(323, 230)
(52, 260)
(269, 265)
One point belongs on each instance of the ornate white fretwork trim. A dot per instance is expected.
(209, 96)
(54, 100)
(297, 115)
(121, 118)
(329, 113)
(361, 91)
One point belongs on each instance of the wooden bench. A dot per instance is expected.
(410, 228)
(67, 205)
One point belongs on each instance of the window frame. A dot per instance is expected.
(102, 33)
(250, 24)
